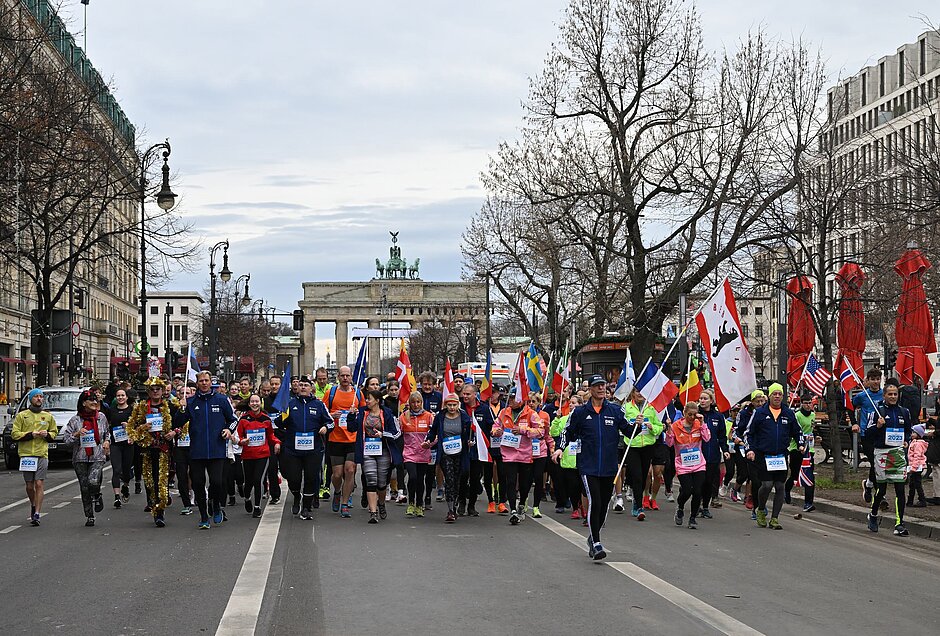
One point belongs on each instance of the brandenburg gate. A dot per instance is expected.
(396, 294)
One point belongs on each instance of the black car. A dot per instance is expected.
(62, 403)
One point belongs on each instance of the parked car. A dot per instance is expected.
(62, 403)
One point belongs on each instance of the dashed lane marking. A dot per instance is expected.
(9, 529)
(62, 505)
(46, 492)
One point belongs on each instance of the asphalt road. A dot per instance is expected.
(479, 576)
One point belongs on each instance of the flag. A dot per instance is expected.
(448, 382)
(626, 380)
(533, 370)
(849, 380)
(720, 331)
(483, 447)
(691, 389)
(362, 363)
(283, 394)
(547, 379)
(405, 377)
(520, 379)
(805, 478)
(486, 384)
(192, 365)
(658, 390)
(815, 376)
(561, 377)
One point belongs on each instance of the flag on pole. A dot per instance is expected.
(848, 379)
(547, 380)
(561, 377)
(691, 389)
(486, 383)
(362, 363)
(448, 388)
(720, 331)
(283, 394)
(192, 365)
(520, 378)
(534, 370)
(405, 377)
(482, 446)
(806, 477)
(815, 376)
(658, 390)
(626, 380)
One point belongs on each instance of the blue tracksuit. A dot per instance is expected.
(599, 433)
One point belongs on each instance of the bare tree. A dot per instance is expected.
(434, 344)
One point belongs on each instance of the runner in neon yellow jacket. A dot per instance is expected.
(640, 456)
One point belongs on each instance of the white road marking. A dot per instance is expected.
(47, 491)
(698, 609)
(241, 612)
(9, 530)
(62, 505)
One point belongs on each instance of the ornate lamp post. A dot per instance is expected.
(226, 275)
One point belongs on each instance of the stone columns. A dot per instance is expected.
(309, 358)
(375, 349)
(342, 342)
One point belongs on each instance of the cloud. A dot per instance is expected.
(292, 181)
(256, 205)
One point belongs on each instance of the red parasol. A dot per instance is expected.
(913, 328)
(801, 333)
(850, 329)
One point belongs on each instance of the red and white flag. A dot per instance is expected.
(448, 388)
(483, 447)
(561, 377)
(719, 328)
(521, 379)
(849, 380)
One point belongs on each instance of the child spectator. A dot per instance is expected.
(917, 461)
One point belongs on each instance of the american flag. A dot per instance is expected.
(815, 376)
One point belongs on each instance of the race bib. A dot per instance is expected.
(155, 422)
(574, 447)
(372, 447)
(496, 442)
(690, 457)
(433, 456)
(183, 441)
(120, 433)
(894, 437)
(809, 441)
(510, 439)
(256, 437)
(536, 447)
(452, 445)
(304, 441)
(344, 419)
(775, 462)
(645, 429)
(88, 439)
(29, 464)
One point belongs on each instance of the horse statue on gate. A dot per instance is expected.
(379, 269)
(413, 270)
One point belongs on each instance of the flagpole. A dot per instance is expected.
(688, 371)
(864, 388)
(802, 375)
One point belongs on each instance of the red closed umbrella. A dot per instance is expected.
(801, 333)
(913, 328)
(850, 329)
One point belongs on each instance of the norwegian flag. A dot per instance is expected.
(849, 380)
(815, 376)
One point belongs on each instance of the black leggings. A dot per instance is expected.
(417, 473)
(638, 463)
(183, 480)
(198, 468)
(274, 488)
(430, 482)
(669, 470)
(712, 482)
(502, 490)
(303, 471)
(122, 461)
(598, 490)
(740, 466)
(729, 470)
(450, 466)
(691, 485)
(882, 490)
(234, 475)
(570, 486)
(138, 463)
(538, 478)
(558, 485)
(518, 482)
(470, 482)
(255, 470)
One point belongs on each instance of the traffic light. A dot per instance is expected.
(124, 370)
(174, 359)
(79, 299)
(77, 358)
(891, 359)
(298, 320)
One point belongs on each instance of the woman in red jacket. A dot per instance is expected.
(255, 434)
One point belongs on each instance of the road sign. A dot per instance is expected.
(75, 328)
(142, 347)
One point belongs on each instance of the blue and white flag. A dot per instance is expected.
(362, 363)
(192, 366)
(626, 380)
(283, 394)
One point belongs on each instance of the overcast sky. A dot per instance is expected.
(304, 131)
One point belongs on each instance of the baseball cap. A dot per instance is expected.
(594, 380)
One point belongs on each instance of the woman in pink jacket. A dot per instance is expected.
(687, 436)
(516, 426)
(542, 449)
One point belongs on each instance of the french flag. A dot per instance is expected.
(656, 387)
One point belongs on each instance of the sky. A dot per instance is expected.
(304, 131)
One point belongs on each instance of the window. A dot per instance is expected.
(155, 353)
(154, 310)
(923, 56)
(154, 331)
(744, 330)
(176, 332)
(758, 331)
(743, 310)
(184, 310)
(900, 68)
(169, 310)
(759, 355)
(864, 88)
(758, 311)
(881, 80)
(185, 333)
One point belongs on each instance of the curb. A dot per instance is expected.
(916, 526)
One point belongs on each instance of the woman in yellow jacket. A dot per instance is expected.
(640, 455)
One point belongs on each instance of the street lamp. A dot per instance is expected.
(165, 199)
(246, 299)
(226, 275)
(486, 276)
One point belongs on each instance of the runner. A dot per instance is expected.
(642, 449)
(306, 419)
(33, 429)
(376, 450)
(432, 404)
(470, 486)
(596, 427)
(87, 433)
(255, 434)
(397, 480)
(569, 491)
(516, 427)
(688, 437)
(450, 434)
(181, 445)
(343, 402)
(122, 451)
(209, 420)
(889, 434)
(542, 449)
(151, 426)
(747, 470)
(496, 488)
(415, 425)
(864, 409)
(766, 440)
(806, 418)
(715, 450)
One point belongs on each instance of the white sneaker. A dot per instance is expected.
(723, 491)
(670, 497)
(618, 503)
(630, 495)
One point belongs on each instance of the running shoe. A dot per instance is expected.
(491, 508)
(646, 502)
(599, 552)
(734, 496)
(349, 501)
(440, 494)
(428, 505)
(654, 505)
(203, 525)
(335, 505)
(679, 514)
(514, 518)
(872, 522)
(257, 512)
(630, 495)
(641, 516)
(383, 513)
(723, 491)
(125, 493)
(217, 517)
(231, 500)
(761, 519)
(774, 524)
(716, 503)
(693, 524)
(402, 498)
(363, 501)
(901, 531)
(325, 494)
(306, 514)
(276, 500)
(536, 513)
(137, 488)
(35, 519)
(147, 508)
(866, 491)
(576, 513)
(344, 512)
(373, 517)
(410, 511)
(99, 503)
(419, 511)
(503, 509)
(590, 547)
(705, 513)
(117, 501)
(295, 506)
(670, 497)
(451, 517)
(809, 507)
(90, 521)
(618, 503)
(559, 510)
(248, 506)
(461, 508)
(749, 502)
(159, 522)
(187, 510)
(472, 511)
(753, 515)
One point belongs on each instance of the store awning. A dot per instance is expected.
(13, 360)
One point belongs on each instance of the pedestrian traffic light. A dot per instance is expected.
(298, 320)
(891, 359)
(77, 358)
(79, 299)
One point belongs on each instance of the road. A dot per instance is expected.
(280, 575)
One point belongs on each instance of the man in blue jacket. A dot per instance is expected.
(306, 421)
(864, 408)
(593, 431)
(767, 442)
(889, 434)
(211, 424)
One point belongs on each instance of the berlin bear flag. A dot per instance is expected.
(720, 330)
